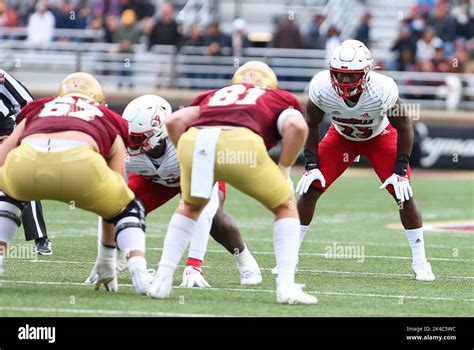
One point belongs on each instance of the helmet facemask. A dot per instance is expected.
(354, 88)
(142, 142)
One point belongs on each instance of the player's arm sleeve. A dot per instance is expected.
(120, 123)
(314, 89)
(390, 94)
(289, 112)
(18, 95)
(199, 98)
(292, 109)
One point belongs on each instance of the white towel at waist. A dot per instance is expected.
(202, 173)
(54, 145)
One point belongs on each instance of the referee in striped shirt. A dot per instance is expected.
(14, 96)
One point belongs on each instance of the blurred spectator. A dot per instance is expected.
(363, 31)
(287, 35)
(111, 26)
(142, 8)
(24, 10)
(442, 23)
(194, 38)
(460, 59)
(332, 41)
(103, 7)
(418, 24)
(41, 26)
(464, 20)
(65, 16)
(127, 35)
(424, 5)
(314, 39)
(96, 24)
(439, 61)
(408, 62)
(8, 17)
(403, 45)
(239, 36)
(426, 46)
(215, 40)
(83, 14)
(165, 31)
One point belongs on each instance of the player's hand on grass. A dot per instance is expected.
(193, 276)
(401, 185)
(308, 178)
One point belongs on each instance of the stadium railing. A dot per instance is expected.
(191, 68)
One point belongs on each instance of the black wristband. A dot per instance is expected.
(311, 160)
(401, 164)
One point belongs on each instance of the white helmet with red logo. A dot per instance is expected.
(146, 116)
(350, 57)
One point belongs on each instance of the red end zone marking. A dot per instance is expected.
(469, 228)
(461, 226)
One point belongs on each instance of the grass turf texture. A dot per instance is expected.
(353, 213)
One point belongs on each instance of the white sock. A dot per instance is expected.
(130, 239)
(417, 244)
(7, 226)
(136, 263)
(200, 237)
(180, 231)
(1, 265)
(99, 232)
(244, 257)
(286, 245)
(303, 230)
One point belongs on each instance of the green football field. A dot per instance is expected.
(369, 274)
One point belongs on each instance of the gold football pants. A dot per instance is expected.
(78, 176)
(241, 160)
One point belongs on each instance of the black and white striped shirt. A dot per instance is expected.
(13, 97)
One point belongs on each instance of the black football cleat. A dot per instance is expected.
(43, 246)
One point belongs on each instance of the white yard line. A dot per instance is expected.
(95, 312)
(253, 290)
(375, 244)
(356, 273)
(339, 257)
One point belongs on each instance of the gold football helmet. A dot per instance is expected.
(82, 84)
(256, 73)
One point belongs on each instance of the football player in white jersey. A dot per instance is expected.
(367, 119)
(154, 176)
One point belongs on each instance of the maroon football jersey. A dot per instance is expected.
(246, 105)
(72, 113)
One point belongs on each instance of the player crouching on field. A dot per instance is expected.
(248, 117)
(153, 175)
(367, 119)
(71, 148)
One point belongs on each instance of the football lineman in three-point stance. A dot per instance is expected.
(72, 149)
(154, 177)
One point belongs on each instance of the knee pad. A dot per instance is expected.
(11, 208)
(132, 216)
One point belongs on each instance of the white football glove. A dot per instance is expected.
(121, 265)
(193, 276)
(308, 178)
(401, 185)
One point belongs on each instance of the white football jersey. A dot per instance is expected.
(367, 118)
(163, 170)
